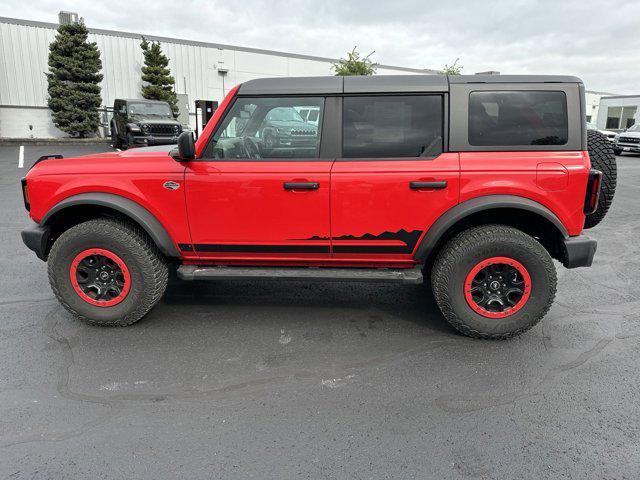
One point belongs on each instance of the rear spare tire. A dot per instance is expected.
(603, 159)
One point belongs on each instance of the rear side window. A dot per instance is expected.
(392, 126)
(517, 118)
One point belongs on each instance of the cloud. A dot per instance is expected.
(595, 40)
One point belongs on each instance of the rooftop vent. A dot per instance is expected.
(66, 18)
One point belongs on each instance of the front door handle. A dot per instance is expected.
(437, 185)
(301, 185)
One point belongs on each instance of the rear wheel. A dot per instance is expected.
(603, 159)
(107, 272)
(493, 282)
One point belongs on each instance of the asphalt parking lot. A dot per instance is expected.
(300, 380)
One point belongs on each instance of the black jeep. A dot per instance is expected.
(143, 122)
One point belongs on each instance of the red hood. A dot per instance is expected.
(147, 159)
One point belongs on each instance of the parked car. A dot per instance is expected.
(628, 141)
(138, 122)
(474, 182)
(611, 135)
(310, 114)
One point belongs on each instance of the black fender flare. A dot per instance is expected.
(126, 206)
(478, 204)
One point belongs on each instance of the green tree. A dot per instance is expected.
(74, 81)
(157, 75)
(354, 65)
(453, 69)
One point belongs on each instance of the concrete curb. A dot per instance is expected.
(54, 141)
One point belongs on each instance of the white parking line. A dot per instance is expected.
(21, 157)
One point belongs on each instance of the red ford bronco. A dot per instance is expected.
(473, 182)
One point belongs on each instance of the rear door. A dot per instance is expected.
(393, 179)
(260, 192)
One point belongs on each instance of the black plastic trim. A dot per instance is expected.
(437, 185)
(46, 157)
(301, 185)
(331, 132)
(131, 209)
(25, 193)
(478, 204)
(579, 251)
(36, 238)
(322, 274)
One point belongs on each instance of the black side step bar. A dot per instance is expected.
(384, 275)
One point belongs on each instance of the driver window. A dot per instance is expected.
(265, 128)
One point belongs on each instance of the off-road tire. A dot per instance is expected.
(603, 159)
(130, 143)
(146, 265)
(459, 256)
(115, 138)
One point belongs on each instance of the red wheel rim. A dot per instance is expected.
(100, 277)
(497, 287)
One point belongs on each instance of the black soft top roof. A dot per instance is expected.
(383, 83)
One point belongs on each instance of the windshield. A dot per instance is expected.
(634, 128)
(150, 110)
(284, 114)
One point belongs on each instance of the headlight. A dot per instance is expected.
(133, 127)
(176, 128)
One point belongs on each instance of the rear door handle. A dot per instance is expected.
(301, 185)
(437, 185)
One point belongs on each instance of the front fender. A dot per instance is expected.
(126, 206)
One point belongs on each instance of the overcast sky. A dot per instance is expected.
(596, 40)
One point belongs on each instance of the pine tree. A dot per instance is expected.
(74, 81)
(157, 75)
(354, 65)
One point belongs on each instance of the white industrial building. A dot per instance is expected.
(202, 71)
(593, 104)
(619, 112)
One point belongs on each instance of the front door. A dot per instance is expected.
(393, 180)
(260, 194)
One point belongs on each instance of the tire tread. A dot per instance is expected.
(154, 265)
(463, 245)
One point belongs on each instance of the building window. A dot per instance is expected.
(619, 118)
(392, 126)
(517, 118)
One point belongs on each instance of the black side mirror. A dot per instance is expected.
(186, 148)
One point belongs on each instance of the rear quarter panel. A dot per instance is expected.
(555, 179)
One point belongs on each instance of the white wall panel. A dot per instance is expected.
(24, 49)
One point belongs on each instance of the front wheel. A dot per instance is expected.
(107, 272)
(493, 282)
